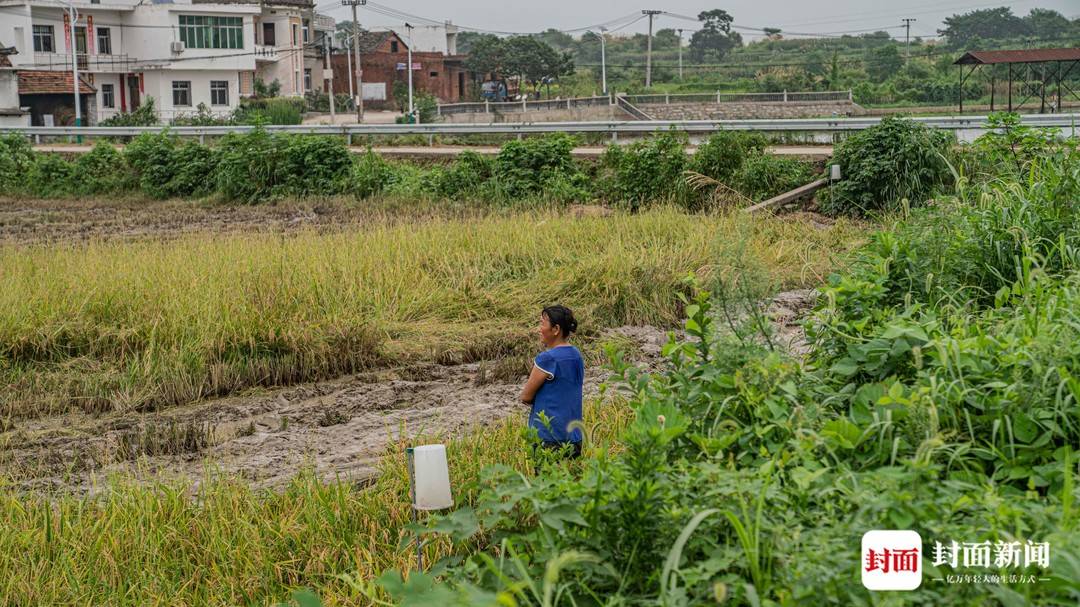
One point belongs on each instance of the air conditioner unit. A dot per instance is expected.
(177, 47)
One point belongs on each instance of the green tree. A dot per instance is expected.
(487, 55)
(1046, 23)
(715, 37)
(535, 61)
(884, 62)
(985, 24)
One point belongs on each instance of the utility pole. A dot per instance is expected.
(907, 36)
(603, 59)
(73, 17)
(328, 43)
(409, 69)
(356, 58)
(680, 53)
(648, 52)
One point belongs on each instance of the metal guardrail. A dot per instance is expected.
(517, 107)
(812, 125)
(718, 97)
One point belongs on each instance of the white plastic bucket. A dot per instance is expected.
(431, 478)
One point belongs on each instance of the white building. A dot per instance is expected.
(431, 38)
(183, 54)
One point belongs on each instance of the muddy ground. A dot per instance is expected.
(39, 221)
(339, 427)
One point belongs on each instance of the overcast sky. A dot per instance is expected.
(790, 15)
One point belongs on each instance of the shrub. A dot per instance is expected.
(722, 154)
(150, 157)
(194, 171)
(314, 165)
(102, 170)
(203, 116)
(649, 169)
(16, 157)
(250, 166)
(763, 175)
(371, 175)
(884, 164)
(275, 110)
(523, 165)
(50, 176)
(144, 115)
(465, 177)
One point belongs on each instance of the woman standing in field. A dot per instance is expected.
(555, 383)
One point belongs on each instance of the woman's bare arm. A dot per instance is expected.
(536, 379)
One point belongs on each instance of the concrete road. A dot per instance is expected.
(444, 151)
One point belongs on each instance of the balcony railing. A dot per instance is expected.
(265, 53)
(86, 62)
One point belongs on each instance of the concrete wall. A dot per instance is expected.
(579, 114)
(749, 110)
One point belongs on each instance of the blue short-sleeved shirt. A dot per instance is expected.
(560, 396)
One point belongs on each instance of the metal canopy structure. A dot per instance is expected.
(1038, 69)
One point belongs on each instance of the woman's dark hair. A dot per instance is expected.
(562, 317)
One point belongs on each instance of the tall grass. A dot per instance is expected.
(113, 325)
(223, 543)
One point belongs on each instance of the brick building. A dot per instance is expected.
(383, 56)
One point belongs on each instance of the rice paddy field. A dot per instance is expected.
(152, 332)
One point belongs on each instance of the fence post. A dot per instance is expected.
(524, 105)
(202, 139)
(614, 136)
(718, 96)
(785, 95)
(348, 139)
(849, 98)
(487, 107)
(567, 103)
(667, 99)
(37, 139)
(438, 109)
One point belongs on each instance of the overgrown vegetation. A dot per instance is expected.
(885, 165)
(259, 166)
(940, 396)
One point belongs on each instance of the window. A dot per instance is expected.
(393, 46)
(269, 39)
(433, 74)
(181, 92)
(307, 79)
(43, 39)
(219, 92)
(108, 96)
(199, 31)
(307, 29)
(104, 41)
(295, 35)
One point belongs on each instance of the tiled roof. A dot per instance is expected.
(1035, 55)
(34, 82)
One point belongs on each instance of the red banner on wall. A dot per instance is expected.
(90, 34)
(67, 32)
